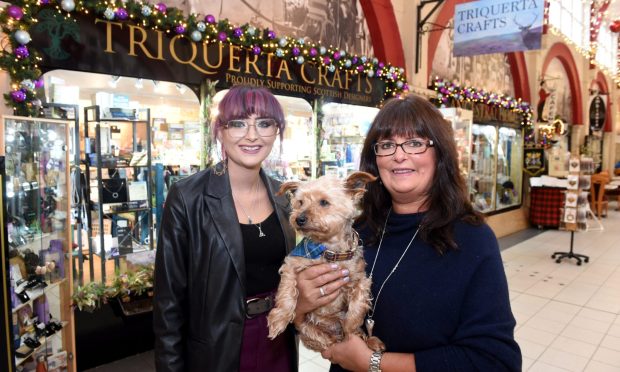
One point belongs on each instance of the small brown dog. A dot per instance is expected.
(323, 211)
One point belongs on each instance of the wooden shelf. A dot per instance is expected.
(42, 341)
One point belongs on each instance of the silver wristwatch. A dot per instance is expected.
(375, 362)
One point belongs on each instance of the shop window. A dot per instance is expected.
(343, 131)
(572, 18)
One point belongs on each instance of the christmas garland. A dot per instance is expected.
(22, 62)
(447, 90)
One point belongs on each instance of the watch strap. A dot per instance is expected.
(375, 362)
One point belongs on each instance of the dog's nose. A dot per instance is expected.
(301, 220)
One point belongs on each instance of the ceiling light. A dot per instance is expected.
(113, 81)
(138, 84)
(181, 88)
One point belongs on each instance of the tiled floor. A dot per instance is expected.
(568, 316)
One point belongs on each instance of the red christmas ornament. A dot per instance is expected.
(615, 26)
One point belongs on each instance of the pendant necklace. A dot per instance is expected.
(370, 323)
(115, 193)
(258, 225)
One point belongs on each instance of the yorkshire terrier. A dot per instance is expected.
(323, 211)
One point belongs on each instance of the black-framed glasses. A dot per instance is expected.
(265, 127)
(413, 147)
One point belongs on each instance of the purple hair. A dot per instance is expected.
(241, 101)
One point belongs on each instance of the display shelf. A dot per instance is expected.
(43, 341)
(36, 293)
(110, 203)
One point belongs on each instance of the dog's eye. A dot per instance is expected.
(323, 203)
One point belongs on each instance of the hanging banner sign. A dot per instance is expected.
(598, 112)
(117, 48)
(534, 161)
(496, 26)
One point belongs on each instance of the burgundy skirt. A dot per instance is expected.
(259, 353)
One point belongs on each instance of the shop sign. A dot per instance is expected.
(598, 112)
(484, 113)
(125, 49)
(492, 26)
(534, 161)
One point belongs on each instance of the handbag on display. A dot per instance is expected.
(114, 190)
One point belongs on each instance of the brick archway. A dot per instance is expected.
(564, 55)
(384, 32)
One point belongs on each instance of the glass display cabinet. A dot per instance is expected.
(342, 135)
(483, 165)
(37, 219)
(509, 167)
(461, 121)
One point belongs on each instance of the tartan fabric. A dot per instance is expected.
(546, 205)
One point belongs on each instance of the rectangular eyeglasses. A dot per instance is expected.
(413, 147)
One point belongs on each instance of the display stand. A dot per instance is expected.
(576, 206)
(119, 201)
(37, 278)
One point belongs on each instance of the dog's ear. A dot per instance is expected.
(288, 186)
(355, 184)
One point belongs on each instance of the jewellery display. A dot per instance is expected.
(36, 186)
(115, 190)
(370, 323)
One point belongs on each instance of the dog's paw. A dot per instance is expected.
(375, 344)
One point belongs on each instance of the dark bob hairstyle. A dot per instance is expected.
(447, 200)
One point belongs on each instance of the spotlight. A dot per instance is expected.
(114, 81)
(138, 84)
(181, 88)
(156, 85)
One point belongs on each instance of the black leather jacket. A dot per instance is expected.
(200, 283)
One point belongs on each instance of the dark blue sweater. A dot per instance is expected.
(452, 311)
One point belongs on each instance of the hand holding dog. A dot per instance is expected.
(351, 354)
(330, 277)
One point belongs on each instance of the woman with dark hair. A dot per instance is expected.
(440, 295)
(223, 237)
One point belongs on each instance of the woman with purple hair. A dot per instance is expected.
(223, 237)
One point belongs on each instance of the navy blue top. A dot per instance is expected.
(452, 311)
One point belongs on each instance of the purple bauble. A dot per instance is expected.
(222, 36)
(271, 35)
(122, 14)
(21, 52)
(44, 2)
(381, 64)
(295, 51)
(360, 68)
(237, 32)
(336, 55)
(161, 7)
(313, 52)
(179, 29)
(256, 50)
(38, 83)
(15, 12)
(326, 61)
(18, 95)
(210, 19)
(354, 60)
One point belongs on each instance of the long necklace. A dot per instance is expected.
(114, 192)
(370, 323)
(258, 225)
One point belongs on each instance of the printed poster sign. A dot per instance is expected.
(534, 161)
(493, 26)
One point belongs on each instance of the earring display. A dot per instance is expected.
(36, 185)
